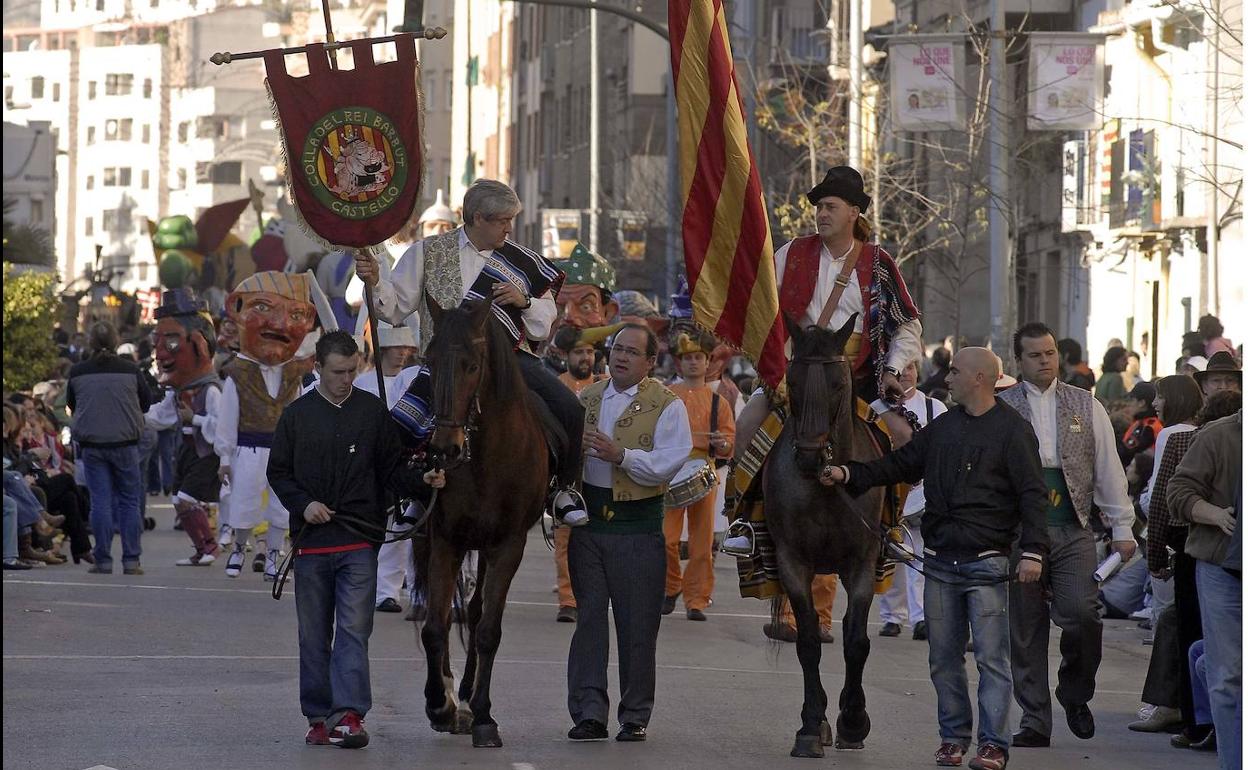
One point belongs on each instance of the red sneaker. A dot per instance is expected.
(317, 735)
(349, 733)
(950, 755)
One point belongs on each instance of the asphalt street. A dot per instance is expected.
(185, 668)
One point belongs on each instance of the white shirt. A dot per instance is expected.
(1109, 481)
(207, 422)
(225, 438)
(1159, 447)
(401, 296)
(164, 414)
(672, 443)
(916, 402)
(907, 343)
(396, 385)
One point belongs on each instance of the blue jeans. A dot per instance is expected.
(335, 596)
(28, 506)
(10, 528)
(115, 481)
(1197, 667)
(1221, 610)
(953, 605)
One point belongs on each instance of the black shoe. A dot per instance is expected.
(1079, 720)
(1208, 743)
(257, 561)
(920, 631)
(890, 629)
(588, 730)
(566, 615)
(630, 732)
(669, 604)
(389, 605)
(15, 564)
(695, 614)
(1028, 738)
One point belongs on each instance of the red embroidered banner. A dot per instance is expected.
(352, 140)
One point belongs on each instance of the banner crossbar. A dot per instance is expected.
(428, 33)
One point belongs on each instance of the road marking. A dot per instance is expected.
(523, 766)
(101, 767)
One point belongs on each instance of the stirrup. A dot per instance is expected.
(577, 504)
(739, 529)
(896, 546)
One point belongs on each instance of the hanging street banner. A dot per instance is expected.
(352, 140)
(927, 81)
(1066, 82)
(632, 231)
(561, 231)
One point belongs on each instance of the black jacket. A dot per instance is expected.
(981, 478)
(348, 457)
(108, 397)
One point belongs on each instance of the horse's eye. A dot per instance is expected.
(473, 368)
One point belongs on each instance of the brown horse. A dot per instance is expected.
(821, 529)
(493, 448)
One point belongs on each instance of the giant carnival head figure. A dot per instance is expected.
(586, 293)
(184, 340)
(274, 312)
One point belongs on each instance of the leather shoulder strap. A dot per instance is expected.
(842, 280)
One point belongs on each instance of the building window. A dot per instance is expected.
(147, 133)
(36, 87)
(203, 172)
(56, 92)
(123, 176)
(110, 180)
(145, 178)
(90, 135)
(90, 181)
(88, 226)
(99, 5)
(184, 130)
(450, 89)
(181, 179)
(227, 172)
(431, 95)
(36, 210)
(119, 129)
(118, 85)
(147, 84)
(91, 89)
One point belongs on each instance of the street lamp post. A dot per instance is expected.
(671, 254)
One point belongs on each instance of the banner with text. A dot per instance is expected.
(1066, 83)
(926, 80)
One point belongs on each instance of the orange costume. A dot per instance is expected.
(699, 576)
(562, 579)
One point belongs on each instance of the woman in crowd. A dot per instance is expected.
(1111, 386)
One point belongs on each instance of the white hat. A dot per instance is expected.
(128, 349)
(1005, 381)
(395, 337)
(438, 212)
(1199, 363)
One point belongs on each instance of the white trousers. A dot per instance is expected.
(394, 561)
(906, 592)
(251, 499)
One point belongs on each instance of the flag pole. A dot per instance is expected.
(368, 290)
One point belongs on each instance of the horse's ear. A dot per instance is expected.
(480, 313)
(435, 310)
(842, 335)
(794, 329)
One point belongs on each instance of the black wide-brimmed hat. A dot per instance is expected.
(1220, 362)
(842, 182)
(180, 302)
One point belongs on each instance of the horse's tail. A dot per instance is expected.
(777, 621)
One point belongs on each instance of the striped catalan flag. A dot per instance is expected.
(728, 253)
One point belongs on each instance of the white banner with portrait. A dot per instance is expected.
(1067, 81)
(927, 80)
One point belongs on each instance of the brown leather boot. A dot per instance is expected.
(28, 552)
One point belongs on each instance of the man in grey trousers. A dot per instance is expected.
(1081, 468)
(636, 439)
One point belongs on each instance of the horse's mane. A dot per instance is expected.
(457, 325)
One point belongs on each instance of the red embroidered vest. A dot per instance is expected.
(801, 275)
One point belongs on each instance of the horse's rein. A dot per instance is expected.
(822, 361)
(474, 410)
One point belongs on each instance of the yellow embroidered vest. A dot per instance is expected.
(634, 429)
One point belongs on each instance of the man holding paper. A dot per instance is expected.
(1081, 468)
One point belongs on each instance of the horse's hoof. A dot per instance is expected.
(486, 737)
(851, 735)
(808, 746)
(442, 720)
(843, 745)
(825, 733)
(463, 721)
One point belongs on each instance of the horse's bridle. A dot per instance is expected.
(823, 445)
(469, 425)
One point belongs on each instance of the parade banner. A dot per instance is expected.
(632, 232)
(927, 83)
(561, 231)
(1066, 84)
(352, 140)
(727, 238)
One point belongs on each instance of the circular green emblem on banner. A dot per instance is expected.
(355, 162)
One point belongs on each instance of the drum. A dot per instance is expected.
(695, 480)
